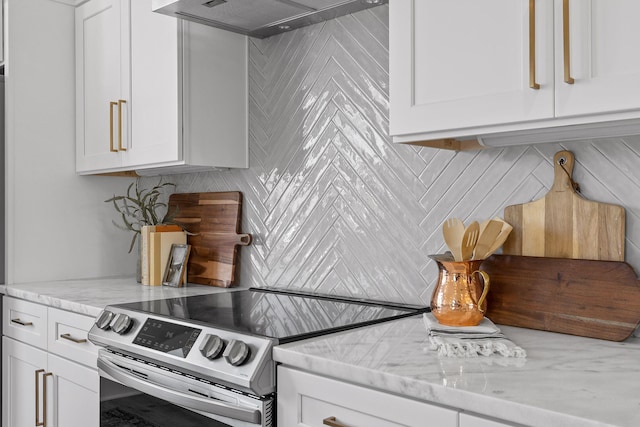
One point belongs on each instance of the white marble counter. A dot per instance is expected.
(564, 381)
(90, 296)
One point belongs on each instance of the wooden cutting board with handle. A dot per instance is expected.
(213, 219)
(597, 299)
(563, 224)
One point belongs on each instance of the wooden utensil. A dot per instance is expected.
(500, 239)
(452, 231)
(214, 220)
(598, 299)
(562, 224)
(487, 236)
(469, 240)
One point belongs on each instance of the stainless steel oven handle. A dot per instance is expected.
(193, 402)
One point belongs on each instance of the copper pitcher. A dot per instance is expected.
(460, 296)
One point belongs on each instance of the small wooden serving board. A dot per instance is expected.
(213, 219)
(563, 224)
(597, 299)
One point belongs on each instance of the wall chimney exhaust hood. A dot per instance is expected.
(260, 18)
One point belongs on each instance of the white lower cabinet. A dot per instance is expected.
(310, 400)
(49, 369)
(67, 393)
(76, 394)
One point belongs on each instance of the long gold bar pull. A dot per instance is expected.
(532, 45)
(44, 398)
(111, 147)
(332, 422)
(120, 102)
(38, 422)
(566, 36)
(21, 322)
(72, 339)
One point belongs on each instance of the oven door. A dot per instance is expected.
(139, 393)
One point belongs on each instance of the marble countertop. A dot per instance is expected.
(564, 381)
(90, 296)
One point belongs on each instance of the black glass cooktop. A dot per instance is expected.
(284, 316)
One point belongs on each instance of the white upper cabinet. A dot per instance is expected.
(495, 70)
(604, 38)
(155, 94)
(102, 81)
(464, 63)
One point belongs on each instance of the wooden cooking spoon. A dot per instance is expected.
(453, 230)
(487, 236)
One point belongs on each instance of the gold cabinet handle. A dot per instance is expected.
(21, 322)
(120, 102)
(38, 423)
(44, 398)
(75, 340)
(111, 147)
(331, 422)
(532, 45)
(567, 43)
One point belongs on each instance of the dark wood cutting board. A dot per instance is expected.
(214, 221)
(563, 224)
(597, 299)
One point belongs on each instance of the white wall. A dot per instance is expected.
(58, 226)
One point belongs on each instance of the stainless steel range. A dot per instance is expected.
(207, 360)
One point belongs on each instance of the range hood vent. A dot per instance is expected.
(260, 18)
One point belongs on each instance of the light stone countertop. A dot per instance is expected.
(90, 296)
(564, 381)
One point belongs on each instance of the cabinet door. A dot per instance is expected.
(603, 57)
(155, 103)
(19, 365)
(102, 83)
(465, 63)
(308, 400)
(75, 393)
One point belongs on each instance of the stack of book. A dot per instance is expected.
(156, 247)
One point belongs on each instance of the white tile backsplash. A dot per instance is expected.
(335, 207)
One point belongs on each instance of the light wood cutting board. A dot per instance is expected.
(563, 224)
(214, 221)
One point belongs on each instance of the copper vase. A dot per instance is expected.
(460, 295)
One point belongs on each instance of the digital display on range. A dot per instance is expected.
(167, 337)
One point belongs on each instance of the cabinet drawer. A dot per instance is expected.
(67, 337)
(307, 400)
(25, 321)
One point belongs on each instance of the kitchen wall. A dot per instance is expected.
(335, 207)
(58, 226)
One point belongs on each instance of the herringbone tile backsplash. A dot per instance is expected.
(335, 207)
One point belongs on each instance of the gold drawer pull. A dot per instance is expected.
(332, 422)
(21, 322)
(75, 340)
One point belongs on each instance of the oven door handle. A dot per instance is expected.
(182, 399)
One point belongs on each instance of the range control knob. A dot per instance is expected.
(212, 347)
(104, 320)
(121, 323)
(237, 353)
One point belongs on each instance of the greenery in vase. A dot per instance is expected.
(141, 207)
